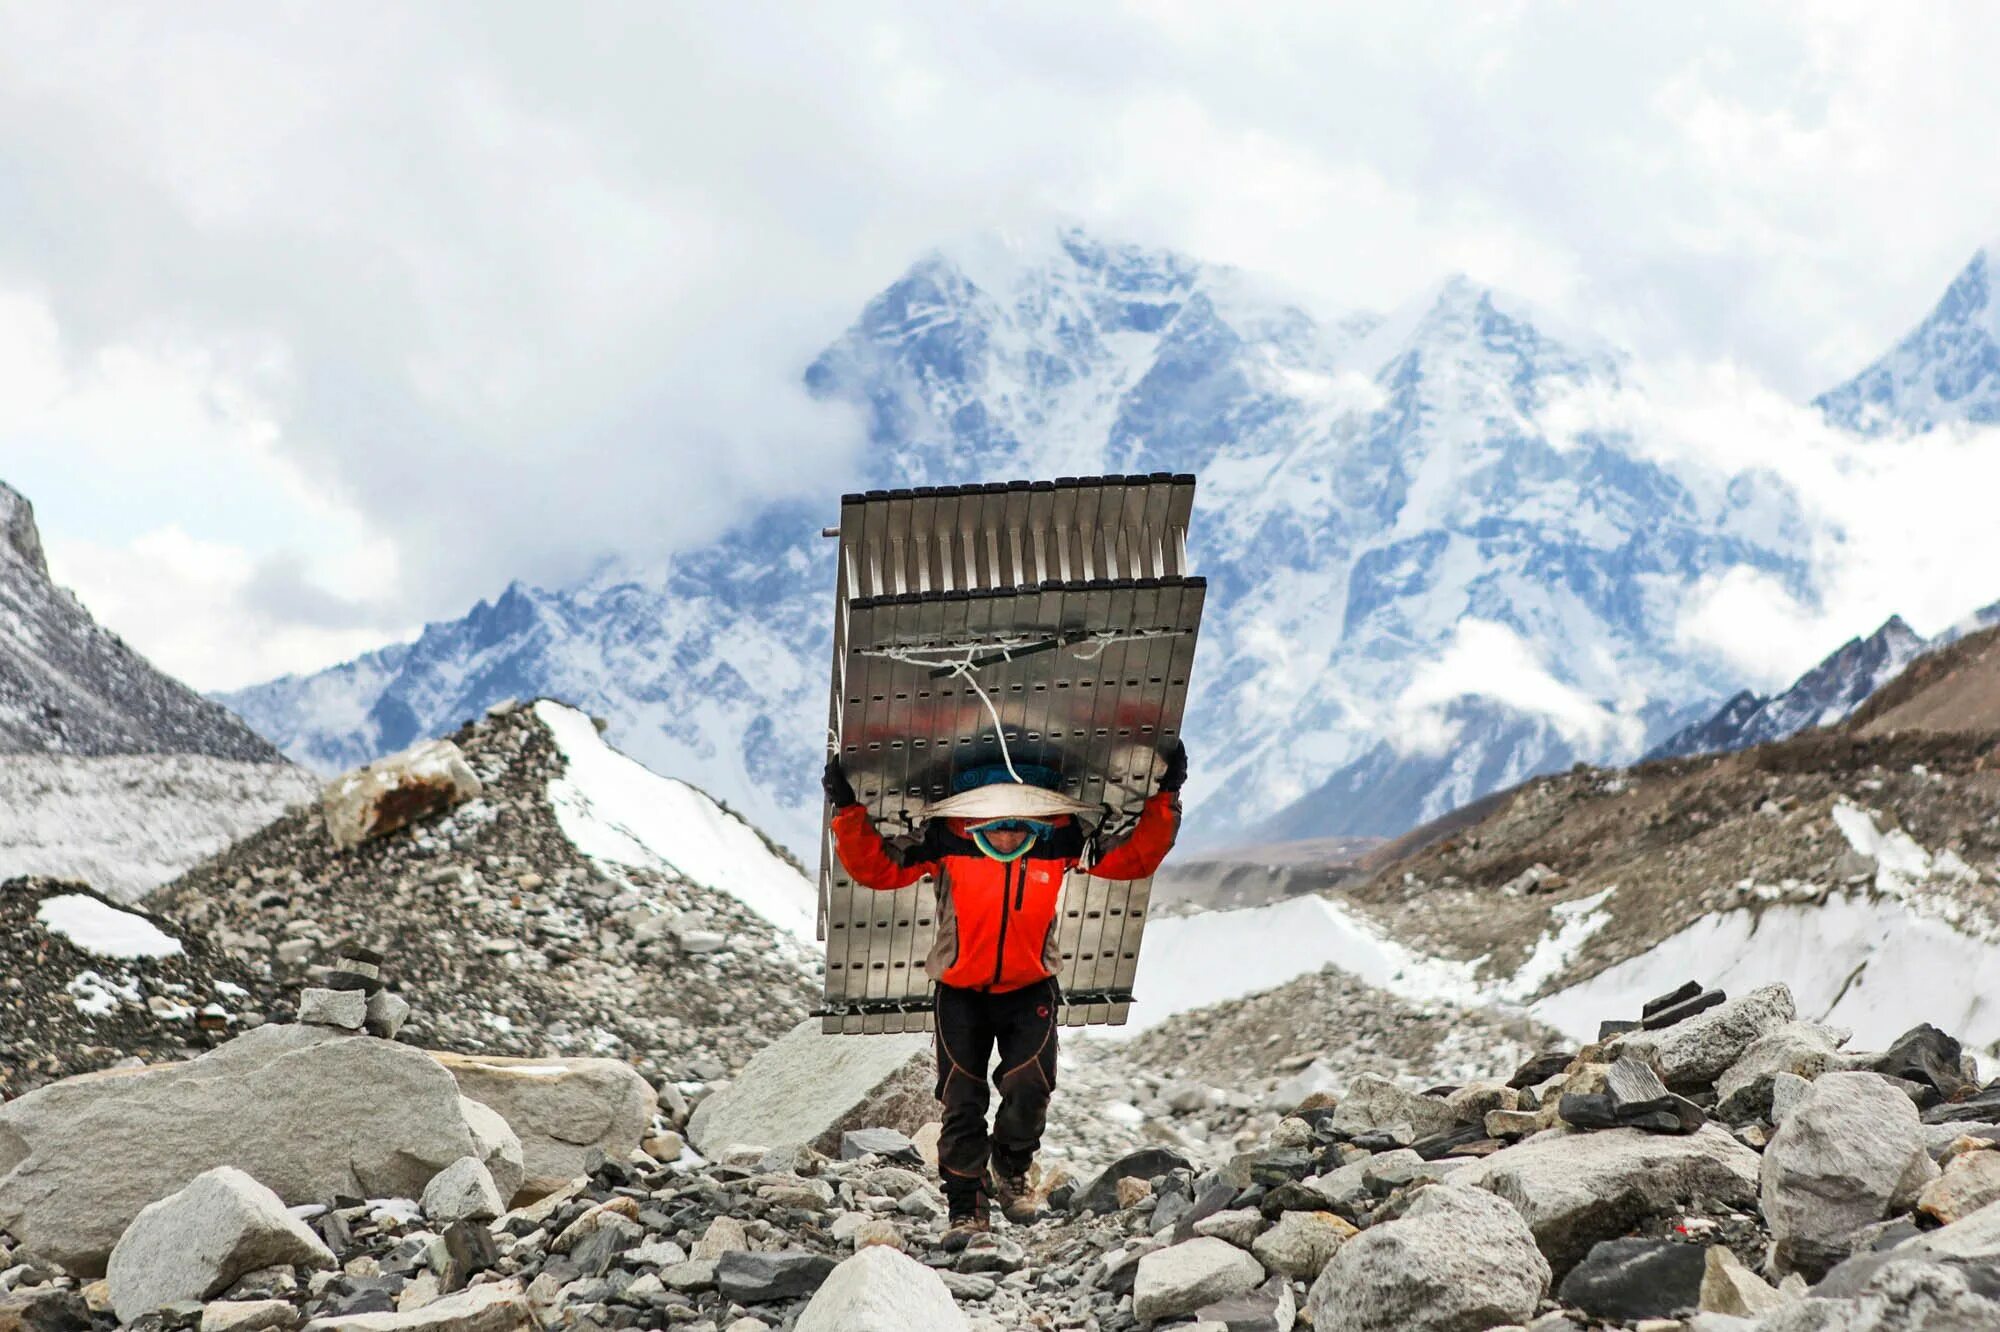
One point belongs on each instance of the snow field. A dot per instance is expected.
(614, 809)
(103, 930)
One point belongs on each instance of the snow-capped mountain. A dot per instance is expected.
(1430, 572)
(1946, 370)
(1826, 694)
(70, 686)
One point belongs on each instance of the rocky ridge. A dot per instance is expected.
(70, 686)
(502, 934)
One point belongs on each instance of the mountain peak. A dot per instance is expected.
(18, 534)
(1945, 370)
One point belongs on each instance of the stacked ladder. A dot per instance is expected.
(1068, 605)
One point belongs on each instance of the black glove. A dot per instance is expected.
(834, 782)
(1176, 774)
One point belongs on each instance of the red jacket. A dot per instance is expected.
(996, 920)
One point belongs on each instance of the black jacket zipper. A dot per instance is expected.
(1006, 893)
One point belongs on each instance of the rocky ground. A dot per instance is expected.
(88, 984)
(500, 933)
(1730, 1169)
(1329, 1027)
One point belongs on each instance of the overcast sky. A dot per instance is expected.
(320, 320)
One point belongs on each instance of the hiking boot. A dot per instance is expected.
(968, 1218)
(1017, 1201)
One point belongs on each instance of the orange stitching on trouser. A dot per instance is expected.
(1036, 1057)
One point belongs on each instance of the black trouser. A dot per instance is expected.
(970, 1024)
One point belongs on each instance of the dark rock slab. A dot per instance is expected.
(1101, 1194)
(759, 1278)
(1253, 1311)
(1637, 1278)
(1680, 1012)
(1541, 1068)
(1671, 999)
(1981, 1109)
(1930, 1058)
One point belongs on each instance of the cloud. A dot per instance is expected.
(505, 287)
(1488, 660)
(194, 607)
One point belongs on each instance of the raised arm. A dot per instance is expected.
(1153, 836)
(868, 859)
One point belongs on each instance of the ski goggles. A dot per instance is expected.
(1035, 829)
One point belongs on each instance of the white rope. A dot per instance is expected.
(959, 659)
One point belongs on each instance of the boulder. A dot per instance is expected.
(1850, 1153)
(880, 1288)
(1907, 1296)
(194, 1244)
(1574, 1189)
(1804, 1049)
(559, 1109)
(1459, 1260)
(1970, 1181)
(497, 1307)
(1148, 1163)
(1270, 1308)
(1301, 1243)
(496, 1145)
(462, 1191)
(1976, 1237)
(44, 1309)
(1637, 1278)
(250, 1316)
(806, 1089)
(1181, 1278)
(1728, 1287)
(1375, 1104)
(758, 1278)
(1694, 1053)
(391, 793)
(307, 1111)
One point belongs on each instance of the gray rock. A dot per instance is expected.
(758, 1278)
(194, 1244)
(879, 1288)
(1459, 1260)
(1301, 1243)
(387, 1012)
(497, 1307)
(1636, 1278)
(559, 1109)
(1908, 1296)
(1181, 1278)
(1270, 1308)
(1694, 1053)
(1976, 1237)
(807, 1088)
(346, 1010)
(1803, 1049)
(250, 1316)
(1374, 1103)
(1728, 1287)
(309, 1112)
(1240, 1226)
(462, 1191)
(1849, 1154)
(1575, 1189)
(888, 1143)
(1787, 1090)
(496, 1145)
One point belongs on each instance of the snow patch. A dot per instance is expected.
(1900, 863)
(103, 930)
(616, 810)
(1871, 963)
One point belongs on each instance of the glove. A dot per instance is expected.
(1176, 774)
(834, 782)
